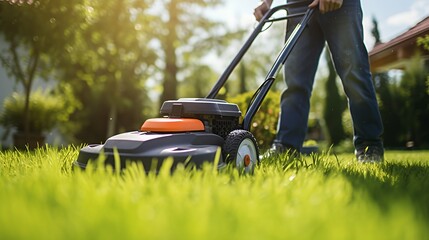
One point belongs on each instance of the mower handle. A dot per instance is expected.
(260, 94)
(265, 19)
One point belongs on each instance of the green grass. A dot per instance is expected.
(320, 197)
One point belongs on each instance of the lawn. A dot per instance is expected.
(322, 196)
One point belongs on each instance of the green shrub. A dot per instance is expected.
(45, 111)
(264, 123)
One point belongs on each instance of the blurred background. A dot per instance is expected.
(79, 71)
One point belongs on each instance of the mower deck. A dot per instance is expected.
(151, 149)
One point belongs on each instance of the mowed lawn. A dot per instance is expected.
(323, 196)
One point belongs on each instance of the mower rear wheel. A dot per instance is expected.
(240, 147)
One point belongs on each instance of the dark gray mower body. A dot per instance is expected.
(189, 148)
(151, 149)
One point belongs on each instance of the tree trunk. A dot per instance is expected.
(26, 78)
(31, 70)
(243, 88)
(170, 72)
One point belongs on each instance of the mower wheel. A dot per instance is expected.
(240, 147)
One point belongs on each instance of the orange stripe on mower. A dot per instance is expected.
(172, 125)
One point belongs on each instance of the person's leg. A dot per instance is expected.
(299, 71)
(344, 33)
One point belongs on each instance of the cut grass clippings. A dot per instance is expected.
(317, 197)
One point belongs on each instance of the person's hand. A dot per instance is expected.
(260, 10)
(326, 5)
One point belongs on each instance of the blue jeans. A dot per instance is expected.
(342, 30)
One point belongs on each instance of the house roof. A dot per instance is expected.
(393, 53)
(419, 29)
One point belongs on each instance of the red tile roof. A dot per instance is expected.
(420, 29)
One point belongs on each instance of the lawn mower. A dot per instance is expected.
(195, 131)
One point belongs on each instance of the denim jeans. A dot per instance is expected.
(343, 32)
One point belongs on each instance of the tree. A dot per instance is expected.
(257, 61)
(390, 100)
(196, 81)
(179, 34)
(107, 68)
(375, 32)
(415, 108)
(242, 69)
(33, 29)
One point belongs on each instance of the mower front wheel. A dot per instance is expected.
(240, 147)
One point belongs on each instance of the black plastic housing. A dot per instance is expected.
(219, 117)
(194, 107)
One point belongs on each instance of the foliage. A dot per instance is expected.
(196, 83)
(423, 41)
(390, 97)
(120, 46)
(316, 197)
(186, 34)
(264, 124)
(375, 32)
(403, 106)
(32, 30)
(257, 61)
(415, 107)
(45, 112)
(108, 64)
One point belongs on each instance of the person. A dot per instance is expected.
(339, 24)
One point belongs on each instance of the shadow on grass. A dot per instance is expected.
(390, 182)
(386, 184)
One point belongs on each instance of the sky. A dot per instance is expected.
(394, 16)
